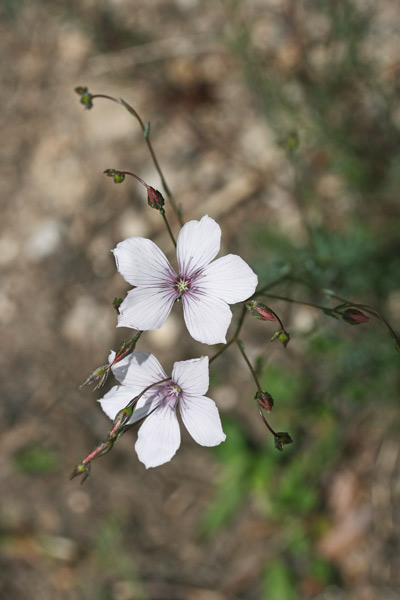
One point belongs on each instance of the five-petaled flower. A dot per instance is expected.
(159, 436)
(205, 288)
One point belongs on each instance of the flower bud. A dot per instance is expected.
(121, 419)
(281, 439)
(154, 198)
(126, 348)
(98, 375)
(352, 316)
(260, 311)
(117, 176)
(282, 335)
(86, 96)
(264, 399)
(80, 469)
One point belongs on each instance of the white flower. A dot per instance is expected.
(205, 288)
(159, 437)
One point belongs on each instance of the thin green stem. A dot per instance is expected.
(243, 353)
(136, 177)
(222, 350)
(240, 322)
(286, 299)
(161, 210)
(133, 112)
(118, 429)
(349, 303)
(267, 286)
(171, 235)
(235, 335)
(265, 420)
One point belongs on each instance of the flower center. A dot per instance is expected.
(182, 285)
(176, 390)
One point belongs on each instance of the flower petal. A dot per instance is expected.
(119, 396)
(141, 262)
(192, 376)
(116, 399)
(229, 278)
(201, 418)
(138, 370)
(206, 318)
(146, 308)
(198, 243)
(159, 437)
(147, 403)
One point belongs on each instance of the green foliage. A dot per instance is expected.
(278, 583)
(36, 460)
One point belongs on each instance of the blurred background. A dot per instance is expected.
(280, 119)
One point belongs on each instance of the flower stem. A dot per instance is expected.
(293, 301)
(136, 177)
(161, 210)
(265, 420)
(238, 328)
(171, 235)
(240, 322)
(133, 112)
(269, 285)
(246, 358)
(119, 428)
(222, 350)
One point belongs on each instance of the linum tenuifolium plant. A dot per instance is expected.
(147, 397)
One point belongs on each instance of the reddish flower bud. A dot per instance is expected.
(352, 316)
(264, 399)
(260, 311)
(126, 348)
(120, 420)
(154, 198)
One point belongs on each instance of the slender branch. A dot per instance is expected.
(160, 210)
(265, 420)
(240, 322)
(171, 235)
(348, 303)
(118, 429)
(269, 285)
(243, 353)
(235, 335)
(293, 301)
(222, 350)
(133, 112)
